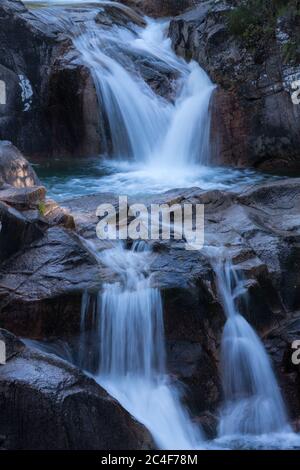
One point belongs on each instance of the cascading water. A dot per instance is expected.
(144, 126)
(253, 402)
(137, 117)
(131, 358)
(165, 141)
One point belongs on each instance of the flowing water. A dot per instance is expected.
(155, 144)
(253, 406)
(131, 358)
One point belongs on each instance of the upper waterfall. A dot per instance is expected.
(154, 107)
(143, 126)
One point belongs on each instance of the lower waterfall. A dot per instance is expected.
(253, 404)
(130, 361)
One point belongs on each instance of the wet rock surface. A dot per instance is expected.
(24, 64)
(41, 286)
(59, 407)
(259, 226)
(280, 343)
(51, 107)
(25, 213)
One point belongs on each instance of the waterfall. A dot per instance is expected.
(137, 117)
(131, 357)
(150, 143)
(253, 402)
(143, 126)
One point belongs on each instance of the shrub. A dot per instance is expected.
(254, 23)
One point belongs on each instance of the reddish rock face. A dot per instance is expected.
(230, 129)
(160, 8)
(255, 123)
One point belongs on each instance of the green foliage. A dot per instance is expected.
(291, 52)
(42, 208)
(254, 24)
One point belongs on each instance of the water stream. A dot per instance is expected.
(254, 411)
(131, 360)
(158, 143)
(153, 143)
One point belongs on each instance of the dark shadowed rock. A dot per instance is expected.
(16, 231)
(280, 345)
(52, 105)
(15, 170)
(47, 404)
(41, 286)
(26, 51)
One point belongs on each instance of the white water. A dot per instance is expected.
(153, 144)
(253, 405)
(132, 365)
(145, 127)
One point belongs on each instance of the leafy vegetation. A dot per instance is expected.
(254, 22)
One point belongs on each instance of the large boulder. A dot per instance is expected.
(41, 285)
(25, 213)
(26, 53)
(51, 106)
(15, 231)
(47, 404)
(15, 170)
(248, 54)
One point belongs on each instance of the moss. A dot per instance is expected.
(189, 55)
(291, 52)
(253, 22)
(42, 208)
